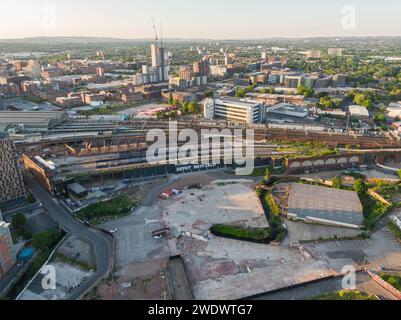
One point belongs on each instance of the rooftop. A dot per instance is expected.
(331, 205)
(237, 102)
(32, 118)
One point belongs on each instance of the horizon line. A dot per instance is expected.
(209, 39)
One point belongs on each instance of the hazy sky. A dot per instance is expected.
(198, 18)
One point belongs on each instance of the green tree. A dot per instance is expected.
(240, 93)
(170, 98)
(209, 94)
(193, 107)
(360, 186)
(31, 198)
(42, 240)
(272, 91)
(18, 221)
(267, 175)
(185, 107)
(337, 182)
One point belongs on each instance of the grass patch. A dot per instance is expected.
(373, 210)
(261, 172)
(74, 262)
(395, 230)
(297, 150)
(241, 233)
(345, 295)
(119, 206)
(394, 280)
(388, 191)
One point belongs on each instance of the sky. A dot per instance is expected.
(211, 19)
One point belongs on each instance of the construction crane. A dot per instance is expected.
(154, 28)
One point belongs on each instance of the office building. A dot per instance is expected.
(12, 187)
(313, 54)
(336, 52)
(236, 110)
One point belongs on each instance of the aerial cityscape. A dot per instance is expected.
(204, 158)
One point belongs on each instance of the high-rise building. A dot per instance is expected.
(12, 187)
(202, 68)
(157, 72)
(7, 254)
(159, 62)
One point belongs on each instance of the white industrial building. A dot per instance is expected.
(359, 111)
(287, 109)
(235, 109)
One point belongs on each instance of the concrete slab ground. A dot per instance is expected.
(221, 268)
(67, 277)
(77, 249)
(134, 241)
(229, 269)
(233, 202)
(136, 281)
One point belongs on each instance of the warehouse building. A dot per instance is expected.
(323, 205)
(35, 121)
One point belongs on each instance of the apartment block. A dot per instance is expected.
(11, 184)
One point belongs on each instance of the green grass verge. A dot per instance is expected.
(119, 206)
(372, 210)
(345, 295)
(394, 280)
(74, 262)
(395, 230)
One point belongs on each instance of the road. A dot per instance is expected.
(102, 245)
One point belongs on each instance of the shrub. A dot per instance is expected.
(116, 207)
